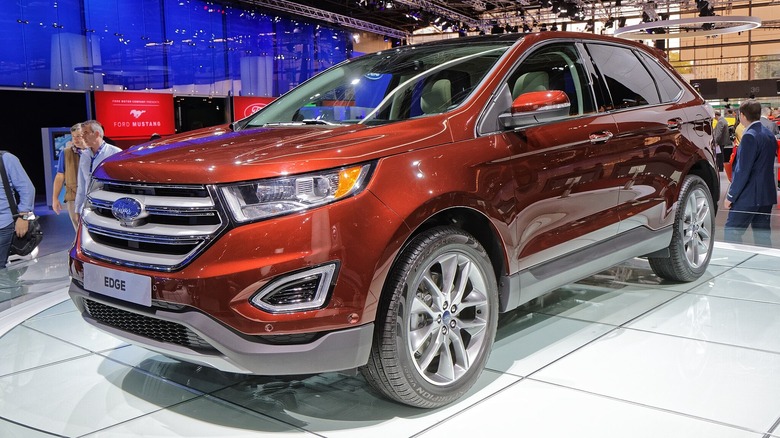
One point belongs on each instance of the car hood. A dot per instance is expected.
(216, 155)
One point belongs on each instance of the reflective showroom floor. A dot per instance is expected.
(619, 354)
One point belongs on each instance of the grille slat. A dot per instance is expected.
(142, 325)
(156, 190)
(176, 223)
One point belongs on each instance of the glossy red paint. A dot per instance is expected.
(228, 273)
(532, 194)
(219, 155)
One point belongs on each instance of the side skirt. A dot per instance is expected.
(523, 286)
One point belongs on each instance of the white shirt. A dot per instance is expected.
(88, 162)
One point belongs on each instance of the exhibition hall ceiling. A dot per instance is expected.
(488, 15)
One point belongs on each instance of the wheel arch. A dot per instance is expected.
(474, 223)
(703, 169)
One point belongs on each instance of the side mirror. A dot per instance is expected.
(536, 107)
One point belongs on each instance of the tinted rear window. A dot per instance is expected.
(628, 81)
(667, 86)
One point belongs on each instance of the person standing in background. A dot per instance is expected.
(738, 131)
(96, 151)
(768, 124)
(753, 190)
(67, 174)
(729, 165)
(720, 137)
(21, 184)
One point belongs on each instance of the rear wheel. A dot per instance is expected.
(437, 320)
(692, 240)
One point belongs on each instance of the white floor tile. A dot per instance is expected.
(733, 385)
(744, 284)
(534, 340)
(762, 262)
(63, 307)
(729, 257)
(736, 322)
(18, 313)
(202, 417)
(83, 395)
(603, 304)
(335, 405)
(198, 377)
(22, 284)
(23, 348)
(41, 275)
(72, 328)
(535, 409)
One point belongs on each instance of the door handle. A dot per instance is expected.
(674, 123)
(600, 137)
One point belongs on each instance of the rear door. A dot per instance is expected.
(642, 98)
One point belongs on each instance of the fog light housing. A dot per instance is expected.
(297, 292)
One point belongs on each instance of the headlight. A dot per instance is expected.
(276, 196)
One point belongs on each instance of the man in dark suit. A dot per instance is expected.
(753, 189)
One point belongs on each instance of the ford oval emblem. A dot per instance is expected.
(126, 210)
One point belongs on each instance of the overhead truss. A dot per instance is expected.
(330, 17)
(505, 12)
(441, 11)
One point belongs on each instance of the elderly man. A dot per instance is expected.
(769, 124)
(96, 151)
(67, 175)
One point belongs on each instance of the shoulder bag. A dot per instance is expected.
(26, 244)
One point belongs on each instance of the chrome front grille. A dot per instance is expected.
(174, 224)
(146, 326)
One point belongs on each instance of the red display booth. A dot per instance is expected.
(245, 106)
(130, 118)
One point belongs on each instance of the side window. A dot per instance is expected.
(555, 67)
(628, 81)
(667, 86)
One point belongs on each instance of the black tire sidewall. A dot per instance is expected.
(453, 240)
(692, 183)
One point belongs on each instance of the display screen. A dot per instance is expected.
(134, 115)
(58, 142)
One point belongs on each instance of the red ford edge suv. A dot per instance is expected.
(383, 214)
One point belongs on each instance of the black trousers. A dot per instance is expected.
(719, 157)
(740, 219)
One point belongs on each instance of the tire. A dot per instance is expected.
(436, 322)
(692, 240)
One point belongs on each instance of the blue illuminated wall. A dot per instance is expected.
(182, 46)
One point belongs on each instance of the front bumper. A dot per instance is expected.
(192, 336)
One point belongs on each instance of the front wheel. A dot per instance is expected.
(692, 240)
(437, 320)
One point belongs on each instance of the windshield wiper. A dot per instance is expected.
(317, 122)
(303, 122)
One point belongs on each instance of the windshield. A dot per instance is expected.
(386, 86)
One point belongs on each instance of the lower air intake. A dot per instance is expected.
(148, 327)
